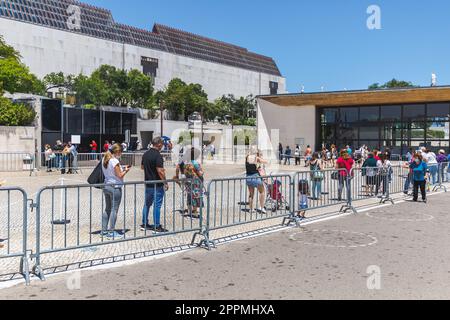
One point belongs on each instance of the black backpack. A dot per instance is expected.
(97, 176)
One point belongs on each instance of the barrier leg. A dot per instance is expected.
(387, 197)
(25, 267)
(205, 242)
(349, 206)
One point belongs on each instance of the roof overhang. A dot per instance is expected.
(363, 97)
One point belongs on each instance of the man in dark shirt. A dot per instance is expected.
(153, 166)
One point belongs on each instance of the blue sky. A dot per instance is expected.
(315, 43)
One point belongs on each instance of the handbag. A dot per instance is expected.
(97, 176)
(335, 175)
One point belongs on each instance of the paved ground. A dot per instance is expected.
(407, 243)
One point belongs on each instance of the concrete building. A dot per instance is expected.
(398, 119)
(74, 38)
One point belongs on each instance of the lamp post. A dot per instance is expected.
(201, 139)
(161, 112)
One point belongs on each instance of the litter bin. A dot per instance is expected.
(27, 163)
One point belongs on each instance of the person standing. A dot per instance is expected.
(58, 149)
(369, 170)
(280, 152)
(308, 155)
(344, 162)
(287, 156)
(432, 163)
(384, 173)
(153, 166)
(297, 154)
(94, 148)
(49, 156)
(419, 169)
(114, 175)
(254, 179)
(106, 146)
(317, 176)
(442, 161)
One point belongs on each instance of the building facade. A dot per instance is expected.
(398, 119)
(72, 37)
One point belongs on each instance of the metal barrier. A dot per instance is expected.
(314, 190)
(13, 229)
(229, 203)
(443, 176)
(16, 162)
(70, 218)
(73, 217)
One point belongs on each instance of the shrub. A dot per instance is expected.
(12, 114)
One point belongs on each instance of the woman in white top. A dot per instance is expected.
(384, 174)
(431, 160)
(114, 175)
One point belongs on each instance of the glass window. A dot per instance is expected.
(366, 132)
(328, 133)
(91, 120)
(51, 115)
(329, 115)
(369, 114)
(438, 111)
(414, 111)
(349, 114)
(392, 131)
(438, 130)
(112, 122)
(392, 113)
(347, 132)
(74, 120)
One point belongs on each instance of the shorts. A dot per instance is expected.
(303, 202)
(254, 181)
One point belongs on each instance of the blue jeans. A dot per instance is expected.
(408, 183)
(153, 196)
(316, 189)
(113, 197)
(434, 172)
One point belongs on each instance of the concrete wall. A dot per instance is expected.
(47, 50)
(17, 139)
(285, 124)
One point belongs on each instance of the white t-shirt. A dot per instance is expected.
(110, 174)
(430, 158)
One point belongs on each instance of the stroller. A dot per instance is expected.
(274, 196)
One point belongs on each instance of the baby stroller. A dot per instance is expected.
(274, 196)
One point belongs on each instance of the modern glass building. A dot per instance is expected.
(393, 118)
(61, 123)
(398, 127)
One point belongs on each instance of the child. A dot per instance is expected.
(194, 188)
(303, 193)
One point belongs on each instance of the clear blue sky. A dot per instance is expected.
(315, 43)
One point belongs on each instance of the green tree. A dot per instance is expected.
(140, 88)
(59, 80)
(242, 110)
(394, 83)
(14, 75)
(15, 114)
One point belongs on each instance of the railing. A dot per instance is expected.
(16, 162)
(77, 223)
(85, 216)
(13, 233)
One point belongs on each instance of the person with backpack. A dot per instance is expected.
(419, 170)
(369, 170)
(114, 175)
(384, 174)
(346, 162)
(442, 161)
(317, 176)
